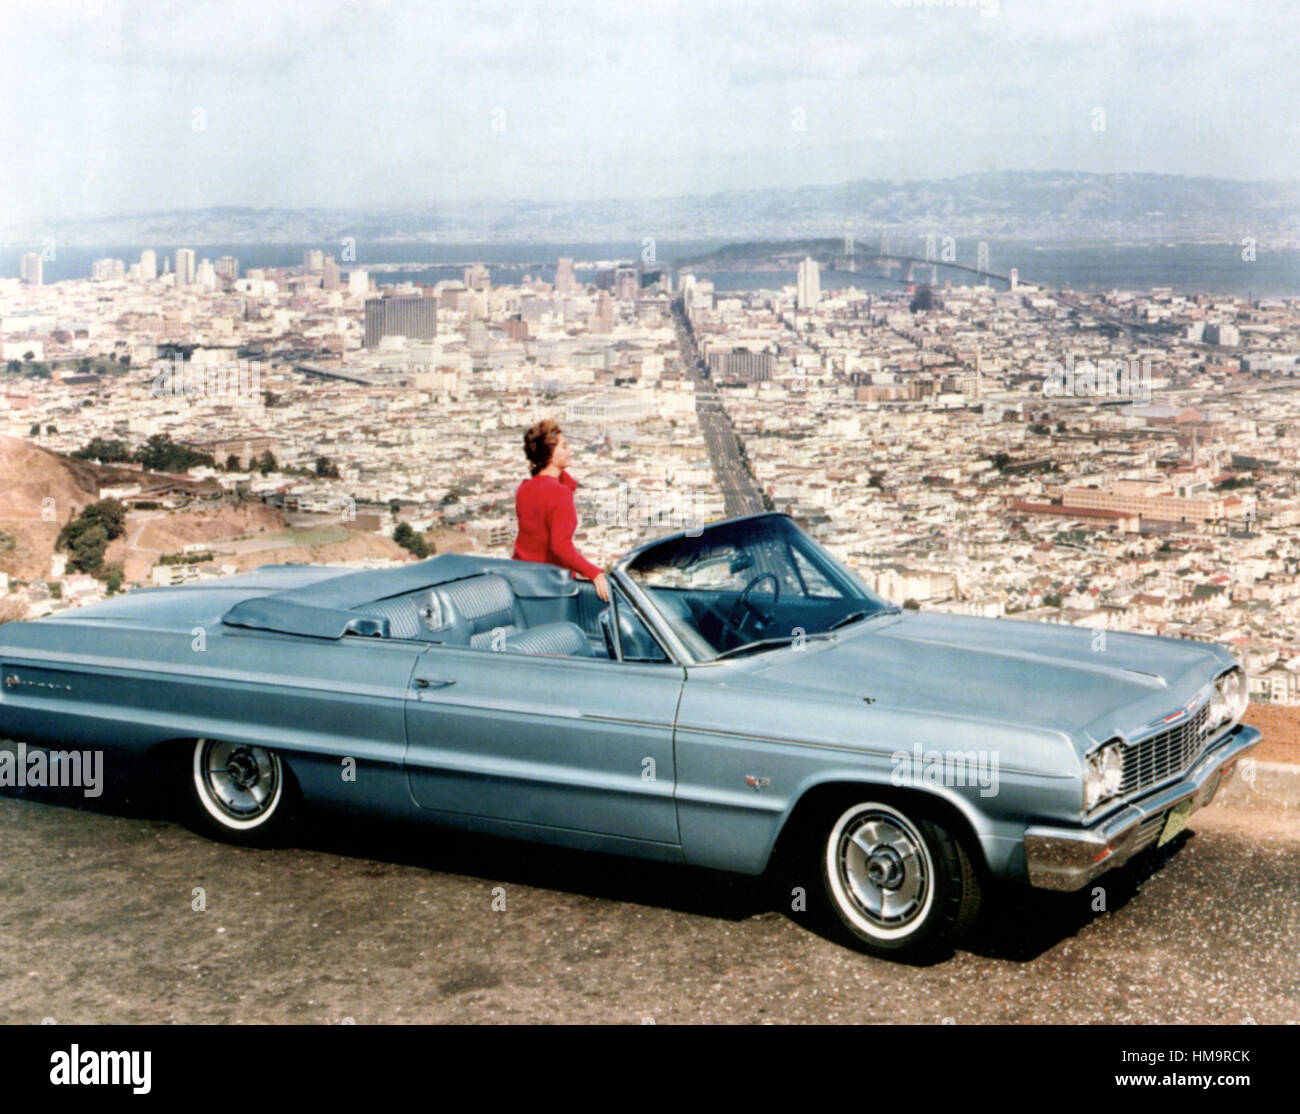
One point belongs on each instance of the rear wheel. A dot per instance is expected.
(898, 881)
(239, 790)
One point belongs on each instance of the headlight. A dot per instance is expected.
(1229, 700)
(1103, 774)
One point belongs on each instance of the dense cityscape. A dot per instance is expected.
(1122, 460)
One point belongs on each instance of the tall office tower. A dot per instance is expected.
(32, 271)
(564, 279)
(148, 265)
(603, 321)
(313, 260)
(626, 284)
(477, 277)
(479, 341)
(227, 267)
(809, 284)
(358, 284)
(404, 315)
(1015, 277)
(184, 266)
(330, 274)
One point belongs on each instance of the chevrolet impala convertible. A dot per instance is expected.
(743, 700)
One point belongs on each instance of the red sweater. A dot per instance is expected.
(547, 519)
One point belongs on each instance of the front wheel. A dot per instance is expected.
(239, 790)
(899, 883)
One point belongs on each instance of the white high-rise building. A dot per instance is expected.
(184, 266)
(31, 270)
(809, 284)
(358, 284)
(206, 276)
(107, 270)
(148, 265)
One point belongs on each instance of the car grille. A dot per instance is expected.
(1166, 755)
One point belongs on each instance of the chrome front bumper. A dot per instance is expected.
(1069, 858)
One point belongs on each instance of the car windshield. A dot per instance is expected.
(750, 585)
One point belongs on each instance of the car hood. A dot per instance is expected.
(1033, 675)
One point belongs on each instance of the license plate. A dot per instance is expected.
(1175, 822)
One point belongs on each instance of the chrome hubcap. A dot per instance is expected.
(241, 780)
(883, 868)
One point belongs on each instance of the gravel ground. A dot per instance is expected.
(386, 923)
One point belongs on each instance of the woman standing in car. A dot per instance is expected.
(544, 507)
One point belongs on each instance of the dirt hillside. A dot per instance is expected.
(29, 475)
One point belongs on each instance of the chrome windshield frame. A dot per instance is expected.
(662, 626)
(650, 614)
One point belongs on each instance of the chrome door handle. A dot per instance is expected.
(429, 683)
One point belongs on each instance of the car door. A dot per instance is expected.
(561, 742)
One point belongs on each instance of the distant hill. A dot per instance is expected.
(1039, 205)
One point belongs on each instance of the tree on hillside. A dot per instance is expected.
(326, 468)
(407, 538)
(113, 578)
(107, 452)
(161, 454)
(266, 463)
(86, 537)
(232, 463)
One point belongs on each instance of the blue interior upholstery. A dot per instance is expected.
(551, 638)
(476, 608)
(481, 612)
(403, 617)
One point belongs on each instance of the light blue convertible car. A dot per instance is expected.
(742, 694)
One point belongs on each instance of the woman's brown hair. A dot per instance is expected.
(540, 442)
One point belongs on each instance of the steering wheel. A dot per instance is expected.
(736, 621)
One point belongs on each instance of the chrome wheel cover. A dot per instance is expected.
(239, 785)
(880, 871)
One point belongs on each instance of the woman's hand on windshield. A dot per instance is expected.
(602, 588)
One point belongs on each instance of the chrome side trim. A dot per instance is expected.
(657, 724)
(852, 749)
(511, 707)
(97, 666)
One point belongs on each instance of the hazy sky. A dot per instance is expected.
(115, 106)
